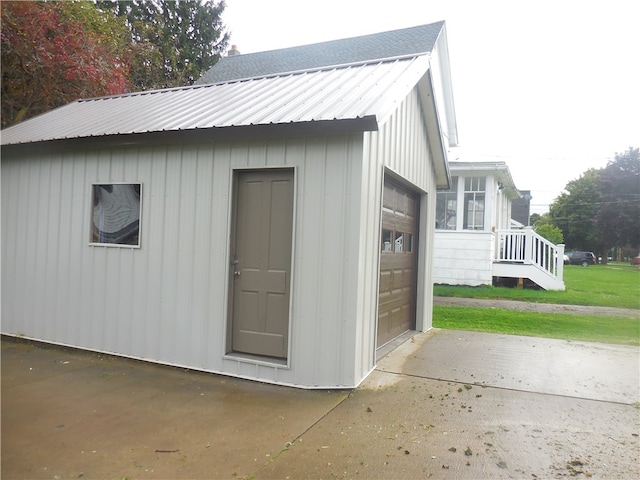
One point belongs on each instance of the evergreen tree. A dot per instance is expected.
(174, 42)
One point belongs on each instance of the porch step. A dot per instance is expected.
(532, 272)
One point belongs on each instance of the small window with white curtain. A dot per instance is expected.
(115, 217)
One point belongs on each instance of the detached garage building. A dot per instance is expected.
(276, 224)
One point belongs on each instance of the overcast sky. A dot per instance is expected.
(552, 88)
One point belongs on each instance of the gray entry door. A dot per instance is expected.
(261, 262)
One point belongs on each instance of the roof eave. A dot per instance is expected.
(499, 169)
(214, 134)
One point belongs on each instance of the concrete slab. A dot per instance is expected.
(71, 414)
(595, 371)
(410, 427)
(437, 407)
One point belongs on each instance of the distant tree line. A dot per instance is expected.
(600, 210)
(56, 52)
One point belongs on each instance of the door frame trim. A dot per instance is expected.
(228, 313)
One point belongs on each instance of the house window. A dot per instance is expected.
(446, 205)
(474, 188)
(115, 217)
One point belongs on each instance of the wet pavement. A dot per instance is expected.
(445, 404)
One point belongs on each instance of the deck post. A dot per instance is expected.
(560, 261)
(529, 246)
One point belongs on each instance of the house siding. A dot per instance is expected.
(167, 301)
(463, 258)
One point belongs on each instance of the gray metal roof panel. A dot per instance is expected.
(396, 43)
(345, 93)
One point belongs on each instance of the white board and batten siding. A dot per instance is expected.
(463, 258)
(167, 301)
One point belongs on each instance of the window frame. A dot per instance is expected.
(392, 246)
(92, 234)
(474, 192)
(444, 197)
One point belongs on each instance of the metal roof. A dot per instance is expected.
(392, 44)
(350, 92)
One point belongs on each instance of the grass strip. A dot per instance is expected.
(612, 285)
(617, 330)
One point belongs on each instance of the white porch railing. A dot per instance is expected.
(528, 248)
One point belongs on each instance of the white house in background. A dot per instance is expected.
(274, 223)
(475, 242)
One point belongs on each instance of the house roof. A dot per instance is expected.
(411, 41)
(499, 169)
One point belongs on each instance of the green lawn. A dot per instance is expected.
(613, 285)
(587, 328)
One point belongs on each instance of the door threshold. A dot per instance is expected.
(384, 350)
(251, 358)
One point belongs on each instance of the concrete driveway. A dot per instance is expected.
(445, 404)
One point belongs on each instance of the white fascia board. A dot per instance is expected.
(434, 132)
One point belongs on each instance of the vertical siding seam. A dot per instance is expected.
(76, 276)
(95, 332)
(5, 272)
(207, 313)
(298, 266)
(35, 259)
(195, 329)
(346, 221)
(162, 254)
(321, 267)
(50, 249)
(180, 256)
(138, 285)
(114, 271)
(194, 206)
(65, 188)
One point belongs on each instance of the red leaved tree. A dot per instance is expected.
(56, 52)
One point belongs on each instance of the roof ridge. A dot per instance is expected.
(373, 47)
(341, 40)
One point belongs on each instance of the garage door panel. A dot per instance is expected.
(385, 282)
